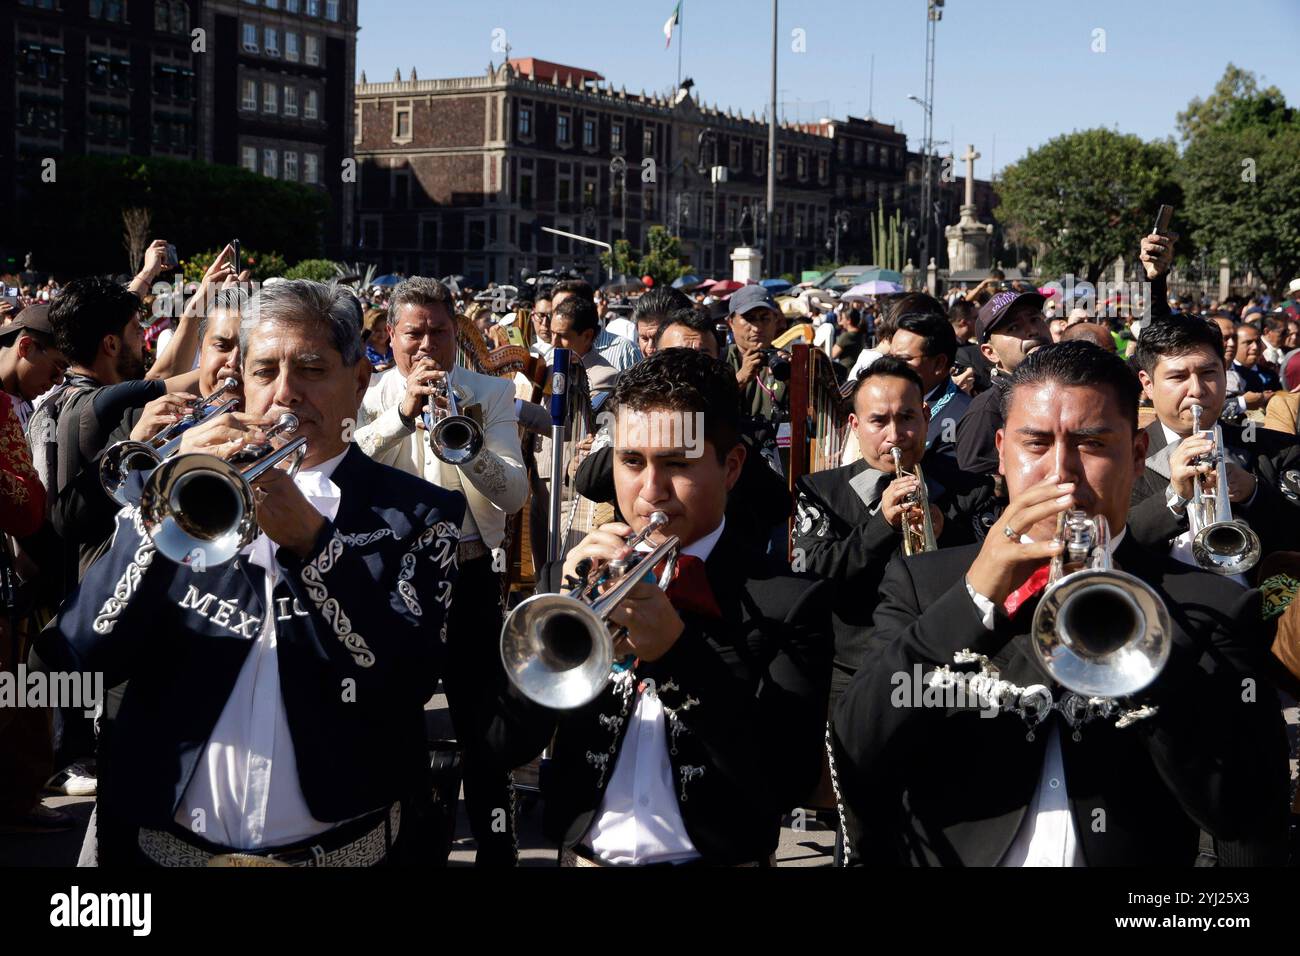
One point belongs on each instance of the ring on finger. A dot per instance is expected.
(1010, 533)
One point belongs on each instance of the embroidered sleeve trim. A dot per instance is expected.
(128, 583)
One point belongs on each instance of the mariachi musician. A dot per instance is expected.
(275, 704)
(711, 729)
(850, 521)
(1181, 367)
(392, 429)
(1016, 769)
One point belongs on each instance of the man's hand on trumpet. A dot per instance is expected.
(160, 413)
(283, 511)
(649, 624)
(422, 384)
(1005, 562)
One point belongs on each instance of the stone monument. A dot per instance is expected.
(968, 241)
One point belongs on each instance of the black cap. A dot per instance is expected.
(995, 311)
(35, 318)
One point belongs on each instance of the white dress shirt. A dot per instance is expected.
(245, 793)
(1182, 547)
(639, 820)
(1047, 836)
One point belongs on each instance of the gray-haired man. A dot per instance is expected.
(392, 430)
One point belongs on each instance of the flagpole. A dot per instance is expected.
(681, 34)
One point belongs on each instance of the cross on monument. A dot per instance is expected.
(970, 156)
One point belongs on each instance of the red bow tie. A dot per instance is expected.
(689, 589)
(1027, 591)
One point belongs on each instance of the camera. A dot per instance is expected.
(777, 362)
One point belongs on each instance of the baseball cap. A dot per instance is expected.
(995, 311)
(36, 318)
(748, 298)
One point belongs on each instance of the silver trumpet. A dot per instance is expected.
(557, 648)
(1220, 543)
(915, 541)
(199, 510)
(121, 459)
(1098, 631)
(454, 438)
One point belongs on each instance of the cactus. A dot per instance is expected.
(890, 237)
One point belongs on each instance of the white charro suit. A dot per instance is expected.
(495, 483)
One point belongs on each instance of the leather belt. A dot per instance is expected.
(368, 849)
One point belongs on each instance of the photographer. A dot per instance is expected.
(755, 320)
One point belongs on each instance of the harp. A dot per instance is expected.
(819, 415)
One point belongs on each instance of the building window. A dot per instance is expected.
(311, 105)
(313, 51)
(180, 16)
(780, 162)
(648, 141)
(313, 8)
(271, 41)
(562, 128)
(402, 123)
(332, 10)
(161, 15)
(250, 95)
(525, 121)
(290, 105)
(525, 196)
(842, 149)
(269, 163)
(857, 152)
(616, 137)
(589, 133)
(249, 160)
(357, 123)
(291, 47)
(270, 98)
(291, 6)
(758, 158)
(291, 165)
(273, 4)
(871, 154)
(250, 37)
(112, 10)
(823, 169)
(801, 166)
(310, 168)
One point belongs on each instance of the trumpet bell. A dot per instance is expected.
(1102, 633)
(456, 439)
(198, 510)
(557, 651)
(117, 463)
(1226, 547)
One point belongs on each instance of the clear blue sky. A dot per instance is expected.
(1022, 71)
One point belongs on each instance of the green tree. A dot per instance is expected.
(261, 265)
(662, 260)
(1235, 88)
(321, 270)
(1241, 178)
(623, 260)
(74, 224)
(1088, 197)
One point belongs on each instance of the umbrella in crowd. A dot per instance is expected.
(687, 282)
(775, 286)
(725, 287)
(874, 287)
(622, 285)
(385, 282)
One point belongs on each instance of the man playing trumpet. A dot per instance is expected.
(850, 521)
(711, 729)
(1015, 770)
(393, 430)
(275, 704)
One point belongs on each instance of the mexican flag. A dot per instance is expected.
(675, 19)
